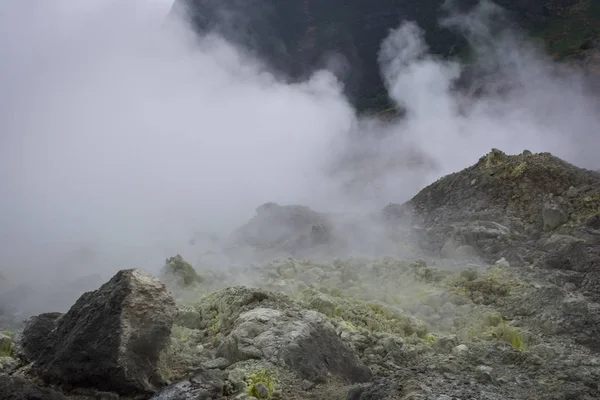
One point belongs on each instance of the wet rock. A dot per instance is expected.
(110, 339)
(13, 388)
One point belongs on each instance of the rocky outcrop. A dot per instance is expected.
(278, 226)
(111, 338)
(503, 206)
(285, 230)
(179, 272)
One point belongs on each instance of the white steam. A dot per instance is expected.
(127, 135)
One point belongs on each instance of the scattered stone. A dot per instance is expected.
(204, 385)
(217, 363)
(502, 263)
(6, 345)
(460, 349)
(447, 343)
(307, 385)
(320, 234)
(484, 373)
(391, 344)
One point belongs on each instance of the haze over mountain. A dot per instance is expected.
(300, 36)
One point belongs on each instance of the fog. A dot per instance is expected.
(123, 135)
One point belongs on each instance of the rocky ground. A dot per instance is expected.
(486, 286)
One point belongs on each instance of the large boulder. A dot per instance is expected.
(303, 342)
(111, 339)
(282, 231)
(247, 324)
(35, 336)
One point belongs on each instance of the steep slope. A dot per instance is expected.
(297, 36)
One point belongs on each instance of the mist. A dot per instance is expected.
(121, 135)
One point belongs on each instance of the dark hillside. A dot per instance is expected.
(297, 36)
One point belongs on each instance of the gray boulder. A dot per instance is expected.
(111, 339)
(290, 228)
(303, 342)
